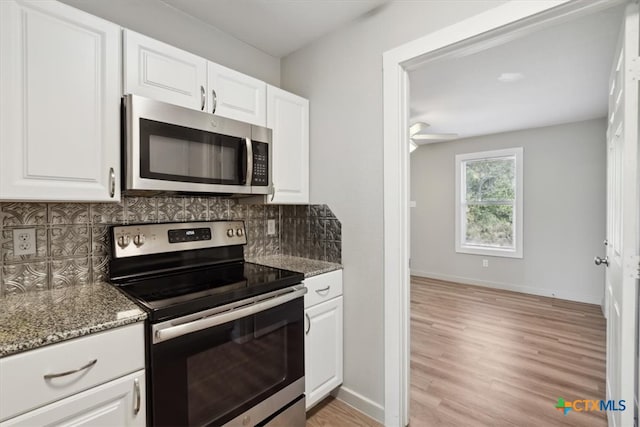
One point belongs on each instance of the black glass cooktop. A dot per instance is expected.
(172, 295)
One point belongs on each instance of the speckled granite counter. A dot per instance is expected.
(36, 319)
(310, 267)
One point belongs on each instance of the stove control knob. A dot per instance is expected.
(230, 232)
(239, 232)
(138, 240)
(124, 240)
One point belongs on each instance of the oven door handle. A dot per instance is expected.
(176, 331)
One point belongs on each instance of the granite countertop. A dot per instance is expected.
(310, 267)
(32, 320)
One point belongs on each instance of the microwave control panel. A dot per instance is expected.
(260, 164)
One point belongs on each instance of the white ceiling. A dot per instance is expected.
(277, 27)
(565, 67)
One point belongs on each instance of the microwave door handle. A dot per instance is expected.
(242, 161)
(249, 162)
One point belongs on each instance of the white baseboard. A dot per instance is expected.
(553, 293)
(361, 403)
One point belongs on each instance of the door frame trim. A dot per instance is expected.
(490, 28)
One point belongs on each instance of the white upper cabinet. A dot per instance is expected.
(159, 71)
(236, 95)
(156, 70)
(288, 116)
(60, 105)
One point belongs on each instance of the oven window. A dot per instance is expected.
(236, 375)
(212, 376)
(178, 153)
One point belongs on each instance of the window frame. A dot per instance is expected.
(460, 209)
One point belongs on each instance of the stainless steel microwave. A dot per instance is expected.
(175, 149)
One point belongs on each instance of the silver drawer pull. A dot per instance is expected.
(64, 374)
(308, 323)
(136, 396)
(323, 289)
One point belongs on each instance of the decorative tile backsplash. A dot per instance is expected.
(73, 247)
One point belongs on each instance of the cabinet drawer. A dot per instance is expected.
(112, 404)
(323, 287)
(23, 387)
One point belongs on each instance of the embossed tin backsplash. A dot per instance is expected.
(72, 239)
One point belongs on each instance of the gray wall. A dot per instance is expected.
(162, 22)
(564, 212)
(341, 74)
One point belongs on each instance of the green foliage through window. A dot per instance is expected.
(489, 196)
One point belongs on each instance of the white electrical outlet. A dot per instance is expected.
(24, 241)
(485, 263)
(271, 227)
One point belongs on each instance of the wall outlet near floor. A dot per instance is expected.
(271, 227)
(24, 241)
(485, 263)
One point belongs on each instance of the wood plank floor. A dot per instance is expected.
(332, 412)
(484, 357)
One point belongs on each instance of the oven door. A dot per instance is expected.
(171, 148)
(224, 372)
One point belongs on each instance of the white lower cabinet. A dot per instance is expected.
(323, 340)
(94, 380)
(119, 402)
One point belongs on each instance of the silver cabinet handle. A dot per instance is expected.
(64, 374)
(136, 396)
(273, 191)
(318, 291)
(214, 101)
(112, 183)
(597, 260)
(308, 323)
(202, 97)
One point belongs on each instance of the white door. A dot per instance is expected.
(60, 103)
(159, 71)
(622, 223)
(236, 95)
(288, 116)
(323, 349)
(119, 402)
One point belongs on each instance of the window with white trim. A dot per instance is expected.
(489, 203)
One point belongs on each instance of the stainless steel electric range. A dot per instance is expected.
(225, 338)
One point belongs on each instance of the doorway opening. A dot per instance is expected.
(474, 36)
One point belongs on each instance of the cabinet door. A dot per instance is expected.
(288, 116)
(236, 95)
(119, 402)
(60, 104)
(323, 350)
(159, 71)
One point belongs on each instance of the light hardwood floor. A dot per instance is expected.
(334, 413)
(484, 357)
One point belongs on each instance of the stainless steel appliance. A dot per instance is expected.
(225, 337)
(175, 149)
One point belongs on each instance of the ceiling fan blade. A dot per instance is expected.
(418, 127)
(434, 136)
